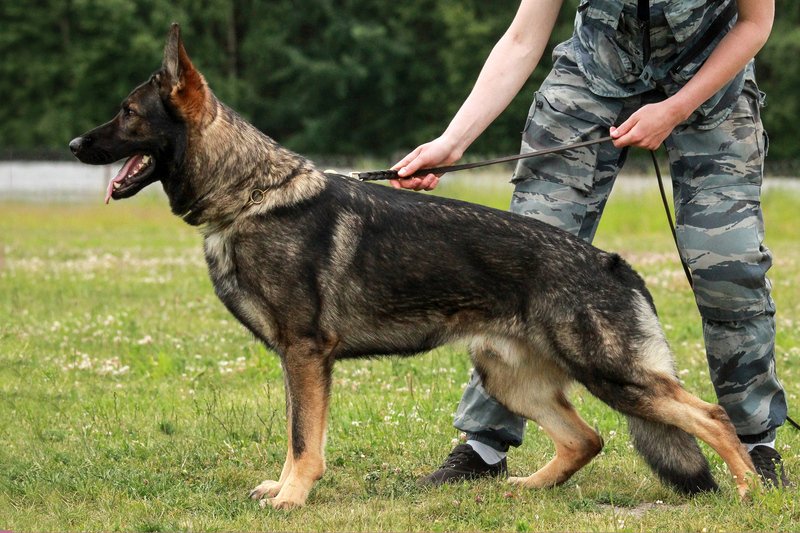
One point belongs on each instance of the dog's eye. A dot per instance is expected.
(128, 112)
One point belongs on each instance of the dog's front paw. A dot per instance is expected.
(281, 503)
(268, 489)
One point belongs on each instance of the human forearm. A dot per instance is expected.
(505, 72)
(509, 65)
(732, 54)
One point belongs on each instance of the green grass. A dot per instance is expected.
(131, 400)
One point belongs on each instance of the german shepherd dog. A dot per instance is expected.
(321, 267)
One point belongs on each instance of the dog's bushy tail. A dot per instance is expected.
(673, 455)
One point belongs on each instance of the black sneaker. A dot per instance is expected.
(769, 467)
(463, 464)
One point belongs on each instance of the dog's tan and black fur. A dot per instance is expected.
(321, 267)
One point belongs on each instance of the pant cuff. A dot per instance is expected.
(767, 436)
(495, 444)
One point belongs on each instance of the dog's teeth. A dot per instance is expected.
(116, 185)
(146, 159)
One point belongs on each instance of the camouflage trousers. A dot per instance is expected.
(716, 176)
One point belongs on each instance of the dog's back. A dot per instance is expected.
(421, 270)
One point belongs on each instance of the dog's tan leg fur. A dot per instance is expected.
(536, 389)
(269, 488)
(709, 423)
(309, 464)
(576, 444)
(307, 377)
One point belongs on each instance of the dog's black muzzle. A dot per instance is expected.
(75, 145)
(90, 150)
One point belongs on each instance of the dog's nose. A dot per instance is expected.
(75, 144)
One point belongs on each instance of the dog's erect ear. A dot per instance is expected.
(172, 53)
(182, 85)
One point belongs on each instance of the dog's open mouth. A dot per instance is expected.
(130, 177)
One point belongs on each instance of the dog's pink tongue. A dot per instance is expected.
(122, 174)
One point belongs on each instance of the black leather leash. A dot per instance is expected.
(717, 26)
(669, 218)
(643, 16)
(376, 175)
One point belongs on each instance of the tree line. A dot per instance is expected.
(345, 77)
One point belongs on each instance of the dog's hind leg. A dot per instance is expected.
(708, 422)
(307, 373)
(575, 441)
(662, 417)
(536, 389)
(634, 373)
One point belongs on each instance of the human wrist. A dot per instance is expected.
(454, 144)
(681, 107)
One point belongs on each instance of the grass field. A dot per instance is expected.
(131, 400)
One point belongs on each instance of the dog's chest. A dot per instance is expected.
(218, 248)
(245, 305)
(220, 255)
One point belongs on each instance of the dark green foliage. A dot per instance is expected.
(349, 77)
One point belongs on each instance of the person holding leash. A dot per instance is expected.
(678, 72)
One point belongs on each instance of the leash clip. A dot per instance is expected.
(356, 176)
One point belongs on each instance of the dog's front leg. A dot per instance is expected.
(307, 374)
(269, 488)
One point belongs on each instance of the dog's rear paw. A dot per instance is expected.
(532, 482)
(268, 489)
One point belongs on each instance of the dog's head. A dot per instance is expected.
(153, 125)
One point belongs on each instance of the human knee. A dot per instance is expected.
(732, 291)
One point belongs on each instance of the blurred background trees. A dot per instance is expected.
(345, 77)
